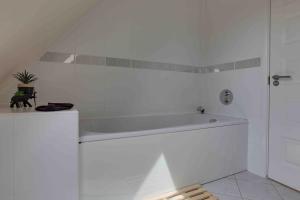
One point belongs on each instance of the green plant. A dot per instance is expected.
(25, 77)
(19, 93)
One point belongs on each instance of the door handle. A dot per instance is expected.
(278, 77)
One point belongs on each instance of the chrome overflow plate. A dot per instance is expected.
(226, 97)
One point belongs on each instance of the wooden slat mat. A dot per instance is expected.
(193, 192)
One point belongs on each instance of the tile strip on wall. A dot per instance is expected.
(67, 58)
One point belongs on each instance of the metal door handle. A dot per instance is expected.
(278, 77)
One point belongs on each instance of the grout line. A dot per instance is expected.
(227, 195)
(223, 177)
(282, 185)
(236, 181)
(234, 66)
(277, 191)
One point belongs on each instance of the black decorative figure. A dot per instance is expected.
(18, 100)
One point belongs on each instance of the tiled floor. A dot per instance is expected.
(247, 186)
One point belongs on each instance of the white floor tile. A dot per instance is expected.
(225, 186)
(227, 197)
(258, 190)
(287, 193)
(252, 187)
(231, 177)
(247, 176)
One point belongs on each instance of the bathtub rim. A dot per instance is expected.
(93, 136)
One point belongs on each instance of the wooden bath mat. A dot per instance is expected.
(193, 192)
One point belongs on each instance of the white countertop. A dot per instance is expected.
(8, 110)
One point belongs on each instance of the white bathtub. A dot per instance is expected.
(138, 157)
(125, 127)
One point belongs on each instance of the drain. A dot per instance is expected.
(213, 121)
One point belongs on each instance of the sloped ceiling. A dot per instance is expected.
(28, 27)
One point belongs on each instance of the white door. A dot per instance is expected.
(284, 141)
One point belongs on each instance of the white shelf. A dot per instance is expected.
(38, 155)
(8, 110)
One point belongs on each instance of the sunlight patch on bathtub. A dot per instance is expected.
(160, 173)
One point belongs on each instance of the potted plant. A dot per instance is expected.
(26, 80)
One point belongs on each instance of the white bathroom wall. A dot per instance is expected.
(236, 30)
(29, 27)
(166, 31)
(171, 31)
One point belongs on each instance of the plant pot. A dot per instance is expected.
(27, 89)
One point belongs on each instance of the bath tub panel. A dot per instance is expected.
(138, 167)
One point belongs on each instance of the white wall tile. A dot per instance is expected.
(57, 82)
(130, 29)
(238, 30)
(176, 32)
(126, 29)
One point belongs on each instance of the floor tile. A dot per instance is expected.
(225, 186)
(258, 190)
(231, 177)
(252, 187)
(287, 193)
(227, 197)
(247, 176)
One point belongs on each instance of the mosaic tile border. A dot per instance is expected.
(67, 58)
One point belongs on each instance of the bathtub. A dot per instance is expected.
(107, 129)
(133, 158)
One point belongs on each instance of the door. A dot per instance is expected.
(284, 141)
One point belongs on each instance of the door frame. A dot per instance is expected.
(269, 14)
